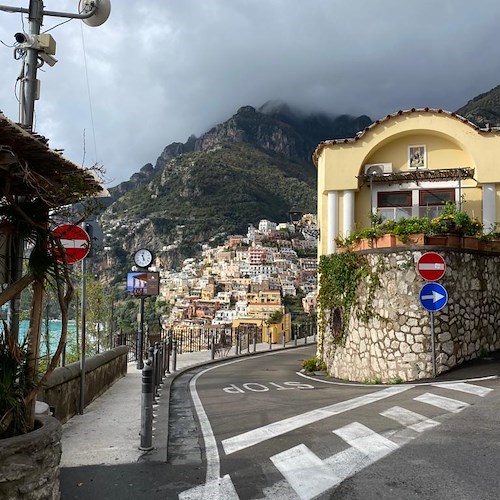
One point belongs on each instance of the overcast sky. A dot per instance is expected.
(161, 70)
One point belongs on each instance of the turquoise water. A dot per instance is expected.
(54, 334)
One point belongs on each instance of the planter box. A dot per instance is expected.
(470, 242)
(411, 240)
(448, 240)
(385, 241)
(436, 240)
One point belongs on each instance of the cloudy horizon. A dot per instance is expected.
(160, 71)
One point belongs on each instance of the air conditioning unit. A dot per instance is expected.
(378, 168)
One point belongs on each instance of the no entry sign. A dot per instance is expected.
(431, 266)
(75, 240)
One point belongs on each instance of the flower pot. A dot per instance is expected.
(495, 245)
(453, 240)
(411, 240)
(470, 242)
(29, 463)
(385, 241)
(436, 240)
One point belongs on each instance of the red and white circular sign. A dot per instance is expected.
(75, 240)
(431, 266)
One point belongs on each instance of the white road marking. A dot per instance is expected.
(409, 419)
(448, 404)
(256, 436)
(307, 474)
(366, 441)
(476, 390)
(420, 384)
(217, 489)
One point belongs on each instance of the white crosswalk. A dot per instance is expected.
(305, 475)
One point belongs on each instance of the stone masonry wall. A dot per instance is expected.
(395, 345)
(29, 464)
(62, 390)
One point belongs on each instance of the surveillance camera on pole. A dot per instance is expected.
(40, 48)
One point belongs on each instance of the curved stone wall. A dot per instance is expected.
(29, 464)
(395, 344)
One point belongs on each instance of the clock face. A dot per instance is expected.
(143, 257)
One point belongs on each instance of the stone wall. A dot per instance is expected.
(395, 344)
(29, 464)
(62, 391)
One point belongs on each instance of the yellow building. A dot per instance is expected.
(407, 164)
(275, 331)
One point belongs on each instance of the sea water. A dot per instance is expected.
(54, 334)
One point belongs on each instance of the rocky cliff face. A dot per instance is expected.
(484, 109)
(255, 165)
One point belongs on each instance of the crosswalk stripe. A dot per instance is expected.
(305, 471)
(213, 490)
(409, 419)
(448, 404)
(256, 436)
(365, 440)
(477, 390)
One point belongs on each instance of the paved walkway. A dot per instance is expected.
(108, 431)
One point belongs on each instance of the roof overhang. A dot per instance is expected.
(28, 167)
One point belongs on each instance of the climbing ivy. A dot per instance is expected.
(340, 275)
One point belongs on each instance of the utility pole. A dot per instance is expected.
(37, 51)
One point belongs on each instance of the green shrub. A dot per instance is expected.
(313, 365)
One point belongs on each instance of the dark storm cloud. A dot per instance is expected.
(160, 70)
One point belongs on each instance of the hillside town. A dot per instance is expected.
(244, 282)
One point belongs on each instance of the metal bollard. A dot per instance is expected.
(270, 340)
(167, 355)
(147, 407)
(254, 342)
(174, 355)
(296, 335)
(212, 348)
(305, 338)
(284, 340)
(237, 342)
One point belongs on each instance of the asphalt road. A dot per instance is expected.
(252, 428)
(270, 433)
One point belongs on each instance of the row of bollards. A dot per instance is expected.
(155, 368)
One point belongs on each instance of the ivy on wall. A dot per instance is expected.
(340, 275)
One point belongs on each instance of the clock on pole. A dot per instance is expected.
(143, 257)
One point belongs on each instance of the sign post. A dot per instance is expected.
(433, 297)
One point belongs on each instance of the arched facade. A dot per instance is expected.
(407, 164)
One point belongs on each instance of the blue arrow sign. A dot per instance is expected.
(433, 296)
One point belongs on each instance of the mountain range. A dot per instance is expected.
(256, 165)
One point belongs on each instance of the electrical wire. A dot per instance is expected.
(89, 93)
(59, 24)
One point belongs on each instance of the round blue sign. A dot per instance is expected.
(433, 296)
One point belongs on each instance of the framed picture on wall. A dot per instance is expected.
(417, 157)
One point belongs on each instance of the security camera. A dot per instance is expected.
(24, 38)
(50, 60)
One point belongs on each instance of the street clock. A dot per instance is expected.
(143, 257)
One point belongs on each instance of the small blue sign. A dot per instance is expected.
(433, 296)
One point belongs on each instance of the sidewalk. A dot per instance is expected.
(108, 431)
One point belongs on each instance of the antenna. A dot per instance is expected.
(100, 12)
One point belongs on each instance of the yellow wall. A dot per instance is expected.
(449, 141)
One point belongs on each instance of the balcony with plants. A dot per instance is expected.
(453, 227)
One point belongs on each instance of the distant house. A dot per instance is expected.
(407, 164)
